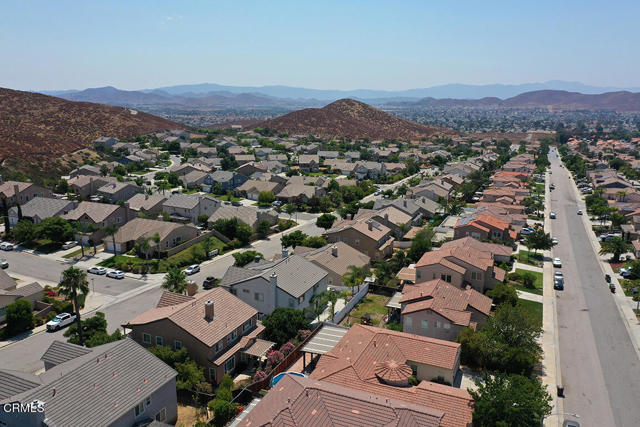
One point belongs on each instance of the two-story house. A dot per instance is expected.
(97, 216)
(188, 207)
(21, 192)
(218, 329)
(289, 282)
(366, 235)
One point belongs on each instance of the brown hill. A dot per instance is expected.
(350, 118)
(36, 128)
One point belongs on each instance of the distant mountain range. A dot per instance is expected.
(355, 119)
(621, 101)
(457, 91)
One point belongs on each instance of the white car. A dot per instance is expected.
(557, 263)
(6, 246)
(69, 244)
(555, 240)
(60, 321)
(4, 263)
(579, 211)
(97, 270)
(192, 269)
(115, 274)
(552, 215)
(625, 271)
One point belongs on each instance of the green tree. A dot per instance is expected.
(244, 258)
(510, 400)
(223, 411)
(263, 228)
(421, 243)
(538, 240)
(56, 229)
(25, 231)
(503, 293)
(244, 233)
(325, 221)
(616, 246)
(290, 209)
(94, 330)
(320, 300)
(202, 220)
(617, 219)
(283, 324)
(19, 317)
(314, 242)
(355, 276)
(104, 170)
(175, 281)
(189, 375)
(265, 198)
(170, 356)
(293, 239)
(74, 283)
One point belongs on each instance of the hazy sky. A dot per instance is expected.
(322, 44)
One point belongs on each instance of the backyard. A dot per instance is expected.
(371, 304)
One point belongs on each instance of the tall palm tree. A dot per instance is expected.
(111, 230)
(175, 281)
(354, 276)
(74, 282)
(616, 246)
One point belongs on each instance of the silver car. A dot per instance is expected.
(115, 274)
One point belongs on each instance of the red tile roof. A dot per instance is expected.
(468, 255)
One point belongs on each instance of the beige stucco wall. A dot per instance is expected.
(432, 331)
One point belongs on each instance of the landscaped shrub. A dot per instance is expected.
(259, 376)
(529, 280)
(287, 348)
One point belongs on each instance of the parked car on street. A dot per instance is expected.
(6, 246)
(557, 263)
(555, 241)
(552, 215)
(69, 244)
(192, 269)
(579, 211)
(115, 274)
(97, 270)
(3, 263)
(558, 283)
(209, 282)
(60, 321)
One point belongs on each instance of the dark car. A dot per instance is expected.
(236, 203)
(209, 282)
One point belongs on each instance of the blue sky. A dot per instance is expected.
(321, 44)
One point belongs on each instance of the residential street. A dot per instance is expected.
(600, 367)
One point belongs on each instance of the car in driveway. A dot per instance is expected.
(97, 270)
(60, 321)
(6, 246)
(4, 263)
(192, 269)
(552, 215)
(70, 244)
(625, 271)
(115, 274)
(557, 263)
(209, 282)
(526, 231)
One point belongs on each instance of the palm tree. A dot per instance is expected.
(616, 246)
(622, 195)
(110, 230)
(74, 281)
(354, 276)
(175, 281)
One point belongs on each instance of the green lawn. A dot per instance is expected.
(328, 175)
(533, 308)
(140, 172)
(531, 291)
(538, 276)
(529, 257)
(72, 254)
(192, 255)
(372, 304)
(226, 198)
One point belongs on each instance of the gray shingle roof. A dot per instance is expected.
(43, 207)
(99, 387)
(16, 382)
(60, 352)
(186, 201)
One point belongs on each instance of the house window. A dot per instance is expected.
(246, 325)
(259, 296)
(345, 239)
(139, 409)
(162, 415)
(357, 242)
(146, 338)
(476, 276)
(177, 345)
(118, 220)
(147, 402)
(446, 277)
(292, 303)
(447, 325)
(159, 340)
(418, 274)
(233, 291)
(212, 374)
(434, 276)
(217, 347)
(234, 335)
(229, 365)
(408, 322)
(424, 324)
(301, 299)
(438, 324)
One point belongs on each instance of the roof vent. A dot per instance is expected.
(334, 250)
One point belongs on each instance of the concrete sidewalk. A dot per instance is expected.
(527, 267)
(530, 297)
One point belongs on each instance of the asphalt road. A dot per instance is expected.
(25, 354)
(49, 271)
(600, 368)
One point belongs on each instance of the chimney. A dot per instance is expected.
(146, 196)
(386, 217)
(370, 226)
(16, 190)
(404, 203)
(334, 251)
(424, 200)
(208, 310)
(274, 279)
(192, 288)
(257, 259)
(285, 253)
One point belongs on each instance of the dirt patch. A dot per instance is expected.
(189, 415)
